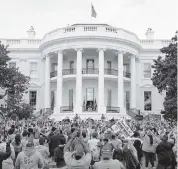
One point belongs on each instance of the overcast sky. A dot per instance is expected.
(16, 16)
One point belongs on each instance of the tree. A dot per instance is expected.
(165, 78)
(13, 82)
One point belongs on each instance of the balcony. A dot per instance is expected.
(127, 74)
(111, 72)
(67, 109)
(92, 108)
(90, 71)
(69, 72)
(110, 109)
(53, 74)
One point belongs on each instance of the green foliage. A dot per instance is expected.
(15, 84)
(165, 78)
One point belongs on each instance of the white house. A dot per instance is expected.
(89, 69)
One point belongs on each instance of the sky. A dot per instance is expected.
(17, 16)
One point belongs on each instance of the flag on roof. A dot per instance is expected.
(93, 12)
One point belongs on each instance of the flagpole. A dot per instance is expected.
(91, 13)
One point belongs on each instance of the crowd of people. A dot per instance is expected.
(87, 144)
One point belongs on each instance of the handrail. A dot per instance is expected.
(111, 109)
(66, 109)
(111, 72)
(90, 108)
(90, 71)
(68, 71)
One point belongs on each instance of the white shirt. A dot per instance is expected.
(92, 143)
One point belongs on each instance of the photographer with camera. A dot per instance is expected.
(76, 152)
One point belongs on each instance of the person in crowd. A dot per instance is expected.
(49, 141)
(118, 152)
(29, 158)
(55, 139)
(164, 153)
(59, 154)
(107, 145)
(9, 162)
(80, 157)
(114, 141)
(149, 148)
(44, 152)
(84, 135)
(92, 143)
(130, 160)
(5, 155)
(17, 145)
(107, 161)
(24, 140)
(138, 144)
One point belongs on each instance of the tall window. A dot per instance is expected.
(109, 64)
(12, 65)
(126, 68)
(54, 67)
(147, 70)
(32, 98)
(147, 101)
(71, 66)
(127, 100)
(90, 94)
(109, 98)
(71, 98)
(52, 100)
(33, 69)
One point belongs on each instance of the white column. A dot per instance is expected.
(59, 81)
(47, 83)
(133, 83)
(78, 100)
(101, 105)
(120, 90)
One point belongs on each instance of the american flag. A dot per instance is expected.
(93, 12)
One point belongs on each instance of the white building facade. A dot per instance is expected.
(89, 69)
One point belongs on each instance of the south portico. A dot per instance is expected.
(99, 72)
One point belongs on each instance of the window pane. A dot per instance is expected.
(109, 97)
(147, 70)
(32, 98)
(33, 69)
(147, 101)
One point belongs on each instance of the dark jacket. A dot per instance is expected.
(5, 155)
(55, 140)
(138, 146)
(59, 156)
(164, 152)
(118, 154)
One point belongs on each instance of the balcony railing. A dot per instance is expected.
(90, 108)
(53, 74)
(67, 109)
(69, 72)
(126, 74)
(90, 71)
(110, 109)
(111, 72)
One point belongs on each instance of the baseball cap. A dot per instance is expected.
(106, 153)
